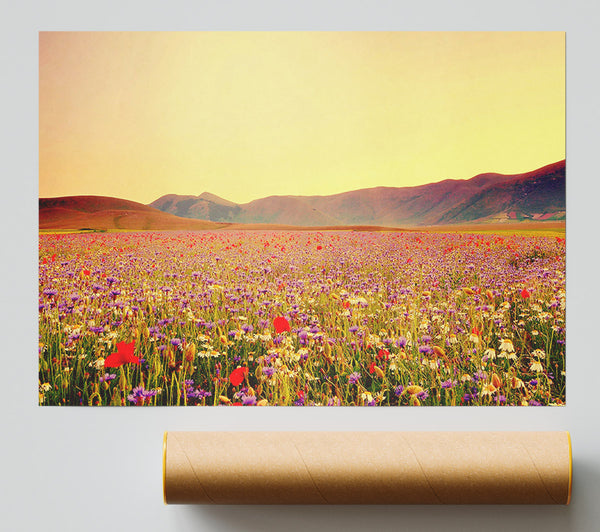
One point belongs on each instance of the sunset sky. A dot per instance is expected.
(244, 115)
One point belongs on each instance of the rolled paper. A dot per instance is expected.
(367, 467)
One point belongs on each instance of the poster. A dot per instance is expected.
(302, 218)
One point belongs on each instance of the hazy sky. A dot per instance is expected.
(244, 115)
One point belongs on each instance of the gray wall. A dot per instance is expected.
(100, 469)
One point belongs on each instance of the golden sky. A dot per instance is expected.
(244, 115)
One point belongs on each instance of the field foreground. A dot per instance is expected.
(301, 318)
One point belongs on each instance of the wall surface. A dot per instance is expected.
(100, 469)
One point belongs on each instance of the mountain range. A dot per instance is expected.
(490, 199)
(485, 198)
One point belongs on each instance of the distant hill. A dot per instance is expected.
(105, 213)
(537, 195)
(485, 198)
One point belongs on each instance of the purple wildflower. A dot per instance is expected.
(269, 371)
(401, 342)
(353, 378)
(139, 395)
(423, 395)
(302, 337)
(479, 376)
(249, 400)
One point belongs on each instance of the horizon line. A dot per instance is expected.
(307, 195)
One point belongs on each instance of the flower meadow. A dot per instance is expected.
(301, 318)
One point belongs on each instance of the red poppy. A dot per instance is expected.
(281, 324)
(476, 331)
(525, 293)
(372, 367)
(383, 353)
(319, 247)
(86, 272)
(124, 355)
(237, 376)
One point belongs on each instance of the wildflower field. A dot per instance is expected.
(301, 318)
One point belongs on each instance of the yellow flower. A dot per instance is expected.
(414, 401)
(414, 389)
(496, 380)
(507, 345)
(366, 397)
(379, 372)
(488, 389)
(439, 351)
(517, 383)
(536, 366)
(490, 353)
(190, 352)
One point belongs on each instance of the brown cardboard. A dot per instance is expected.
(367, 468)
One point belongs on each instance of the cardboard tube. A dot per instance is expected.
(367, 467)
